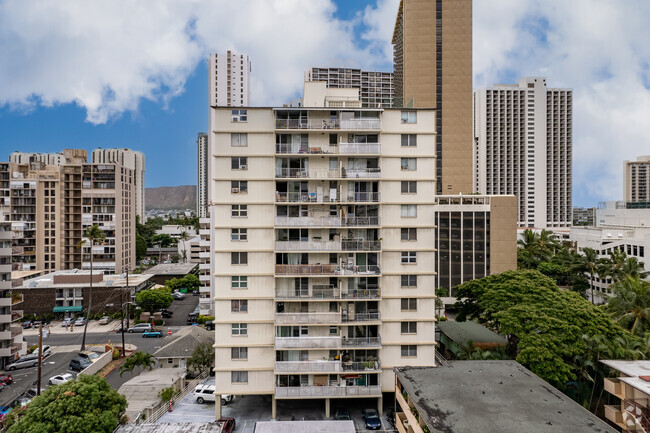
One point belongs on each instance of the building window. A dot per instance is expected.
(410, 234)
(239, 186)
(239, 306)
(239, 258)
(239, 282)
(409, 210)
(409, 164)
(408, 256)
(239, 210)
(239, 234)
(409, 327)
(239, 140)
(409, 140)
(410, 351)
(239, 328)
(239, 377)
(409, 304)
(409, 116)
(409, 187)
(170, 360)
(409, 280)
(239, 116)
(239, 163)
(239, 353)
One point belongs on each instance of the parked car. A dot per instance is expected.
(152, 334)
(178, 296)
(371, 419)
(140, 327)
(24, 362)
(342, 414)
(6, 379)
(27, 324)
(67, 321)
(21, 402)
(105, 320)
(60, 379)
(47, 351)
(166, 314)
(89, 355)
(204, 393)
(227, 424)
(79, 364)
(192, 318)
(195, 292)
(209, 325)
(80, 321)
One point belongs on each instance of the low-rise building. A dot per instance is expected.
(142, 391)
(65, 292)
(166, 271)
(485, 396)
(632, 387)
(584, 216)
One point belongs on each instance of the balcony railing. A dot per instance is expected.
(312, 197)
(359, 148)
(330, 366)
(326, 293)
(328, 124)
(16, 315)
(362, 341)
(326, 391)
(327, 221)
(355, 173)
(341, 148)
(308, 342)
(342, 245)
(327, 270)
(365, 316)
(307, 318)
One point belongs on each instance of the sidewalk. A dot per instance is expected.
(93, 326)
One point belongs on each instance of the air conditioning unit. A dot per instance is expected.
(235, 119)
(243, 167)
(235, 190)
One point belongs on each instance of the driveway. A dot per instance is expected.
(181, 309)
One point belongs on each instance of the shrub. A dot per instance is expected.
(116, 354)
(32, 348)
(202, 319)
(158, 322)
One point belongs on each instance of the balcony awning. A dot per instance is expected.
(68, 309)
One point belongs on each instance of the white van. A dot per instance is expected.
(203, 393)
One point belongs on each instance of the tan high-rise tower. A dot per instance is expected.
(433, 69)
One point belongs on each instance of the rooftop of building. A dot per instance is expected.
(141, 392)
(492, 396)
(172, 268)
(325, 426)
(187, 427)
(637, 372)
(183, 342)
(461, 332)
(79, 278)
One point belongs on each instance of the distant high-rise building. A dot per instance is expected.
(432, 44)
(375, 88)
(29, 157)
(636, 180)
(202, 175)
(523, 146)
(584, 216)
(229, 80)
(131, 159)
(52, 206)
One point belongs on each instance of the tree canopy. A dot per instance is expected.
(87, 404)
(138, 359)
(630, 305)
(202, 358)
(153, 299)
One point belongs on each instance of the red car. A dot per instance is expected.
(227, 424)
(6, 379)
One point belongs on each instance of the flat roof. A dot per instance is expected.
(172, 269)
(326, 426)
(17, 275)
(187, 427)
(493, 396)
(633, 370)
(113, 280)
(460, 332)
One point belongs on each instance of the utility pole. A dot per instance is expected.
(40, 355)
(123, 345)
(128, 289)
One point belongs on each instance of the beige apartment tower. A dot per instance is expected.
(636, 180)
(375, 88)
(433, 69)
(322, 228)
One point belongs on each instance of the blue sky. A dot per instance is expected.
(133, 74)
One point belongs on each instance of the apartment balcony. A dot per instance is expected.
(349, 270)
(5, 318)
(325, 318)
(613, 386)
(340, 149)
(330, 366)
(308, 342)
(204, 266)
(16, 315)
(204, 255)
(317, 246)
(204, 278)
(327, 391)
(312, 197)
(5, 301)
(325, 292)
(320, 124)
(5, 352)
(366, 316)
(326, 221)
(370, 342)
(16, 330)
(343, 173)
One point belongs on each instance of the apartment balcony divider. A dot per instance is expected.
(342, 245)
(340, 149)
(327, 391)
(326, 366)
(315, 318)
(326, 292)
(307, 342)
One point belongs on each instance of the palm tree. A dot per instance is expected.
(138, 359)
(93, 235)
(528, 248)
(632, 267)
(613, 265)
(589, 263)
(630, 305)
(547, 244)
(185, 236)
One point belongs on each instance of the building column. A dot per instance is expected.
(217, 407)
(327, 408)
(380, 405)
(274, 407)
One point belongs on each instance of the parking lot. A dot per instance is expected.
(250, 409)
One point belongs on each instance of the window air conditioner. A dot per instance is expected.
(235, 119)
(243, 167)
(235, 190)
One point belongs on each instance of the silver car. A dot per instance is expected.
(24, 362)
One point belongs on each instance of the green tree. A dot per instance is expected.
(153, 299)
(588, 263)
(94, 235)
(202, 358)
(630, 305)
(191, 281)
(184, 236)
(140, 246)
(528, 249)
(163, 240)
(167, 394)
(138, 359)
(87, 404)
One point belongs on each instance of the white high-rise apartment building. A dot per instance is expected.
(30, 157)
(323, 252)
(202, 175)
(636, 180)
(133, 160)
(229, 80)
(523, 146)
(375, 88)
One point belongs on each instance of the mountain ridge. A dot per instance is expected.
(170, 197)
